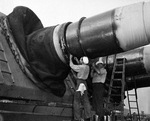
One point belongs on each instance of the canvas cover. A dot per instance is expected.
(36, 45)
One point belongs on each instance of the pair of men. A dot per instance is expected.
(98, 74)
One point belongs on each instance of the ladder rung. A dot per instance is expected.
(119, 64)
(117, 82)
(118, 72)
(131, 94)
(118, 87)
(117, 79)
(132, 101)
(133, 108)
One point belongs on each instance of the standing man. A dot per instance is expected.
(99, 74)
(82, 70)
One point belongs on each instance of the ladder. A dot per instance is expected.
(133, 103)
(117, 82)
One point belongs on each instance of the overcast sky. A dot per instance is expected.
(52, 12)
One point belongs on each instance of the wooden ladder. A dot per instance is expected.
(117, 82)
(133, 102)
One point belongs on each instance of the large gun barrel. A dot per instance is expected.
(139, 81)
(118, 30)
(137, 61)
(137, 66)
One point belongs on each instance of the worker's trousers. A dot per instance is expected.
(81, 104)
(98, 99)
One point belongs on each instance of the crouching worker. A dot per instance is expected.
(81, 96)
(99, 74)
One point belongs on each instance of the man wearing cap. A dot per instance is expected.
(99, 74)
(81, 95)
